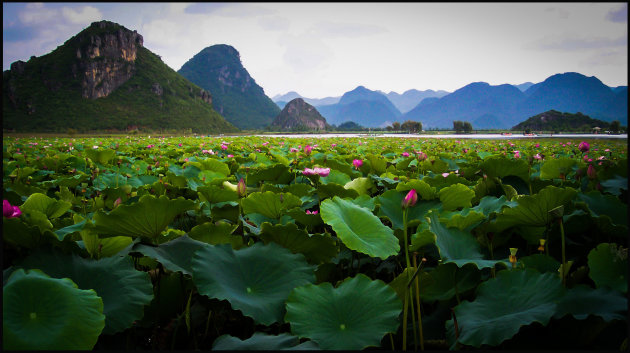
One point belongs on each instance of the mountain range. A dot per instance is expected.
(103, 78)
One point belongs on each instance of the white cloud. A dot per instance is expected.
(348, 30)
(84, 15)
(36, 13)
(274, 23)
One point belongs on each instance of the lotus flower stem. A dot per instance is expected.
(415, 264)
(564, 259)
(404, 327)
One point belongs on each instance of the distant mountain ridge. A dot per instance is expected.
(235, 93)
(411, 98)
(363, 106)
(103, 78)
(504, 106)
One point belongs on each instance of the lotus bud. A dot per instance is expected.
(241, 188)
(357, 163)
(422, 156)
(117, 202)
(308, 149)
(10, 211)
(411, 199)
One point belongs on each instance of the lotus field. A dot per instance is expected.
(273, 243)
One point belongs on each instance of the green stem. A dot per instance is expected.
(409, 274)
(415, 264)
(564, 259)
(404, 327)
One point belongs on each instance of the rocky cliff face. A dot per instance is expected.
(106, 60)
(299, 115)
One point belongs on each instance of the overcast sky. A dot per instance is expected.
(327, 49)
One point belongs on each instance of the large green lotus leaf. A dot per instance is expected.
(554, 168)
(399, 284)
(44, 313)
(147, 218)
(456, 196)
(615, 185)
(269, 204)
(363, 186)
(504, 304)
(540, 262)
(534, 210)
(355, 315)
(501, 167)
(274, 174)
(466, 218)
(125, 291)
(379, 165)
(491, 204)
(359, 229)
(108, 180)
(365, 201)
(219, 233)
(333, 189)
(211, 164)
(101, 156)
(336, 177)
(262, 341)
(448, 279)
(175, 255)
(424, 190)
(606, 205)
(216, 194)
(582, 301)
(458, 246)
(316, 248)
(50, 207)
(140, 180)
(608, 266)
(422, 237)
(99, 247)
(255, 280)
(390, 206)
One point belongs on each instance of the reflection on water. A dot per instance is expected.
(454, 136)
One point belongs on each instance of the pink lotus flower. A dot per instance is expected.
(10, 211)
(405, 154)
(322, 171)
(517, 154)
(357, 163)
(294, 150)
(224, 147)
(537, 156)
(445, 174)
(207, 152)
(422, 156)
(309, 171)
(230, 155)
(308, 149)
(583, 146)
(311, 212)
(411, 199)
(117, 202)
(537, 145)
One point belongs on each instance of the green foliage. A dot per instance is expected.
(554, 120)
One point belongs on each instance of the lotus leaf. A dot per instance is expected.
(275, 174)
(50, 207)
(219, 233)
(65, 318)
(309, 220)
(424, 190)
(615, 185)
(255, 280)
(344, 317)
(502, 167)
(147, 218)
(608, 266)
(456, 196)
(504, 304)
(262, 341)
(175, 255)
(333, 189)
(582, 301)
(363, 186)
(448, 280)
(607, 206)
(359, 229)
(556, 168)
(316, 248)
(102, 156)
(458, 246)
(269, 204)
(541, 263)
(534, 210)
(336, 177)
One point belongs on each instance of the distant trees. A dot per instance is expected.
(462, 126)
(615, 126)
(412, 126)
(396, 126)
